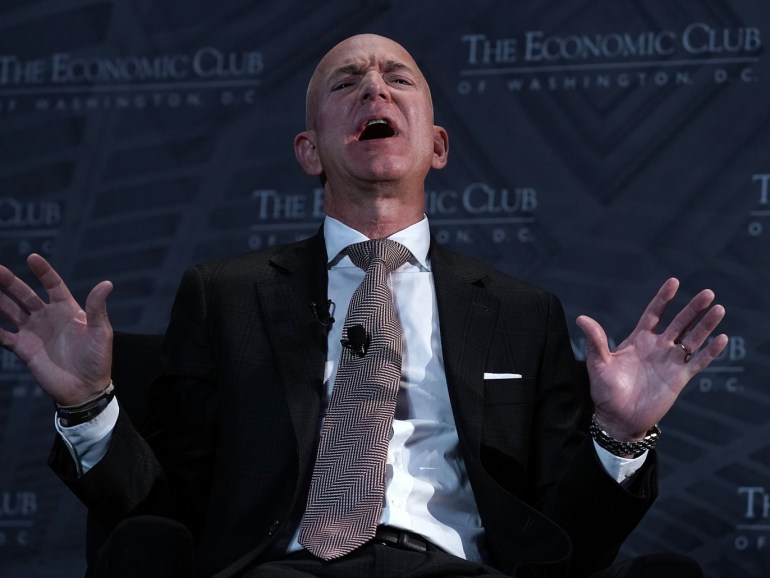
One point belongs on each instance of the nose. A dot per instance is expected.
(374, 86)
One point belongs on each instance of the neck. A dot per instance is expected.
(376, 215)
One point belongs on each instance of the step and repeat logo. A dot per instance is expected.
(67, 82)
(18, 510)
(759, 215)
(28, 226)
(481, 212)
(753, 531)
(477, 213)
(535, 61)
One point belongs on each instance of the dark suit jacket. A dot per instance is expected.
(231, 442)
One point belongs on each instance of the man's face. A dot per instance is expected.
(370, 115)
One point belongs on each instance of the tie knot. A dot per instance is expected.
(368, 253)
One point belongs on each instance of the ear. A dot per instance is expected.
(306, 152)
(440, 147)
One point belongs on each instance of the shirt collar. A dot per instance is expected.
(416, 238)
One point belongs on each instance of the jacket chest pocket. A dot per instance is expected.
(508, 409)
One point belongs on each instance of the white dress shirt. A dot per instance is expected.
(427, 488)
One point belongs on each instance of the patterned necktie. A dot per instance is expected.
(348, 484)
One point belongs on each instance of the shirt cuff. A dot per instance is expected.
(88, 442)
(620, 469)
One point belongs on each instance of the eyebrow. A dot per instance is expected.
(358, 69)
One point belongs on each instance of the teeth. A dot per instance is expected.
(376, 121)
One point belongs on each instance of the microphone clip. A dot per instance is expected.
(357, 340)
(325, 319)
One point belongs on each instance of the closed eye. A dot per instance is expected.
(341, 85)
(404, 81)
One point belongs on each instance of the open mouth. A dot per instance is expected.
(377, 128)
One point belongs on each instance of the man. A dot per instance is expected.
(490, 470)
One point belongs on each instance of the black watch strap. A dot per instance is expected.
(71, 415)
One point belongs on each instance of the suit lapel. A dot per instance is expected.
(297, 338)
(467, 313)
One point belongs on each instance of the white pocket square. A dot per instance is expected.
(502, 375)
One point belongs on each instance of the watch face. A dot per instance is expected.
(71, 416)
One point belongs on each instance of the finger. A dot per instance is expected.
(96, 305)
(19, 291)
(596, 338)
(11, 310)
(7, 339)
(49, 278)
(699, 333)
(689, 314)
(703, 358)
(652, 315)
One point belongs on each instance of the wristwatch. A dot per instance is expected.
(71, 415)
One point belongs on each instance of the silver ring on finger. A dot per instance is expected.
(687, 352)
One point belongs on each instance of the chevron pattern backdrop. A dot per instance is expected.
(597, 148)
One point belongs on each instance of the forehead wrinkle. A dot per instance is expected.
(360, 68)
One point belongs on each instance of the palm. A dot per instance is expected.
(634, 386)
(67, 349)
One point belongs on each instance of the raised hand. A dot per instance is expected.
(68, 350)
(634, 386)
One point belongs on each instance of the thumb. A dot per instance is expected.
(96, 305)
(597, 348)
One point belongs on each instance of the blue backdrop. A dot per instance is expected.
(597, 148)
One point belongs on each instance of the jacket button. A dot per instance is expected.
(273, 528)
